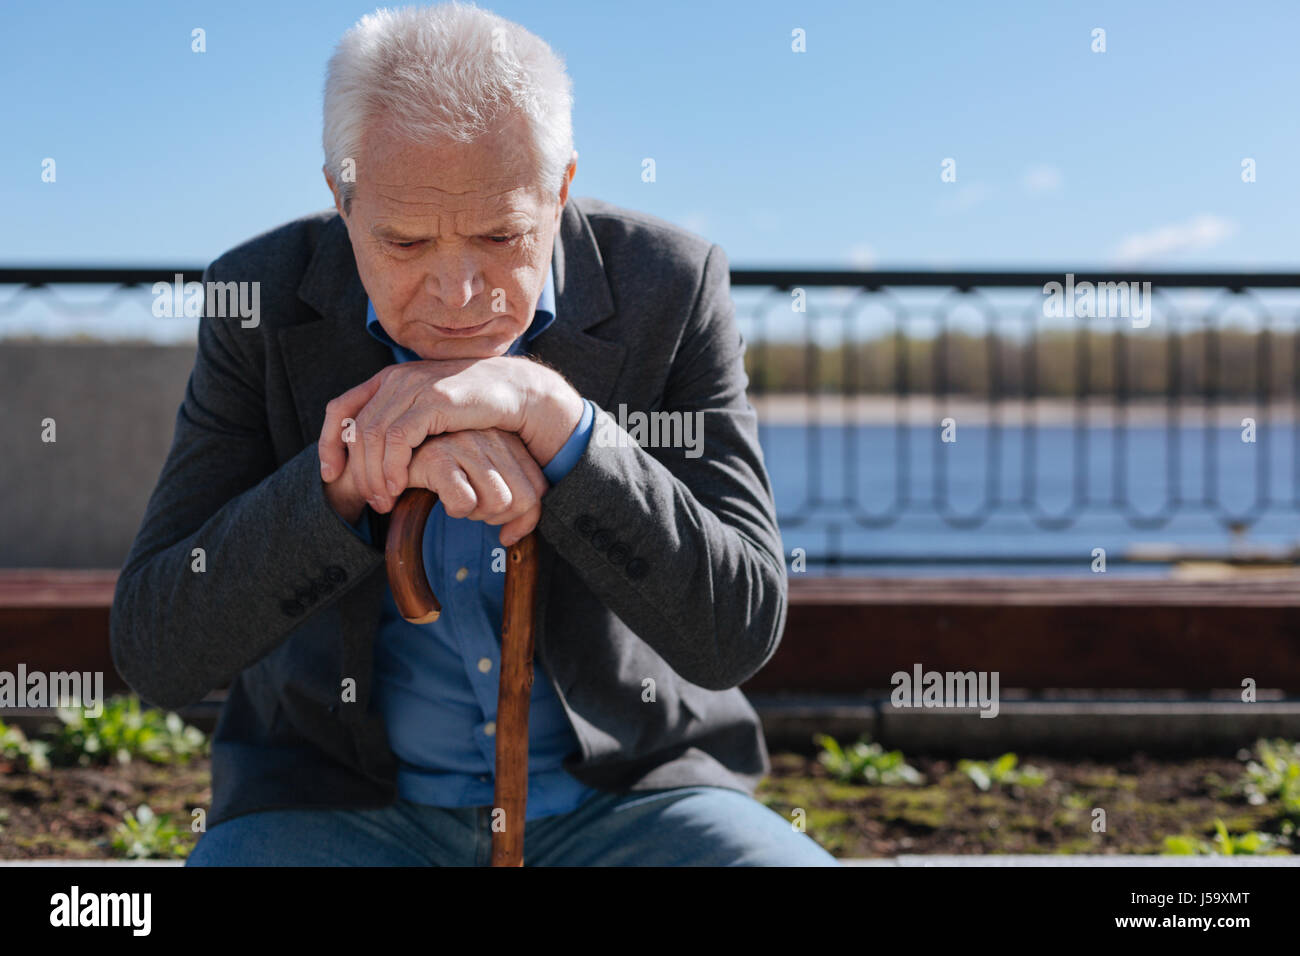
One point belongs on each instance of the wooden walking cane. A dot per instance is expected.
(404, 553)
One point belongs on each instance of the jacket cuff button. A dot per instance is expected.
(619, 552)
(637, 568)
(335, 575)
(585, 523)
(602, 539)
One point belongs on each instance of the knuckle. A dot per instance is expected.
(460, 505)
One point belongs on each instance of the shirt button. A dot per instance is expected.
(483, 777)
(485, 664)
(490, 728)
(462, 574)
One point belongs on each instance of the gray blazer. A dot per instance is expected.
(654, 565)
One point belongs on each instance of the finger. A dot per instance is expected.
(495, 495)
(456, 492)
(373, 423)
(523, 492)
(433, 467)
(515, 531)
(526, 461)
(331, 448)
(405, 433)
(421, 418)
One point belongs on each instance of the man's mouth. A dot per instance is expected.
(463, 331)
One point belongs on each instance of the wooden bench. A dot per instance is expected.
(849, 635)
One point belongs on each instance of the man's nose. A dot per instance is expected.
(454, 282)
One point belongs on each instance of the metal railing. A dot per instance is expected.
(860, 376)
(1209, 374)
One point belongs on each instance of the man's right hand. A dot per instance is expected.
(484, 475)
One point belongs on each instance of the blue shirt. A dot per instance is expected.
(436, 684)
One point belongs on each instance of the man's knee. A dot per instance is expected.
(714, 826)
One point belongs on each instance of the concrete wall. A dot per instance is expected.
(77, 502)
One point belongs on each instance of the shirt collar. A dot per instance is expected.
(543, 316)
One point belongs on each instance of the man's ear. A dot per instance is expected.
(329, 181)
(568, 178)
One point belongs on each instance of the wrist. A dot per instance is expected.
(348, 507)
(554, 410)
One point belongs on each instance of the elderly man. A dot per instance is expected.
(460, 324)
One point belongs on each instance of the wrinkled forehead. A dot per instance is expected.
(499, 163)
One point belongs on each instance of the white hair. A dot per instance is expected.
(447, 72)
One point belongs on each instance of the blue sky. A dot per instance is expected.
(1065, 157)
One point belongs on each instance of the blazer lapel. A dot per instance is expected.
(326, 356)
(583, 300)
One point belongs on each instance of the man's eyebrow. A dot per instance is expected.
(380, 231)
(500, 227)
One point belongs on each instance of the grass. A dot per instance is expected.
(129, 785)
(1139, 805)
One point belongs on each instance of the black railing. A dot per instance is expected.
(981, 349)
(861, 376)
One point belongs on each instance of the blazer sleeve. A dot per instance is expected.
(273, 550)
(685, 550)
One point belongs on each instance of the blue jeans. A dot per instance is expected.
(682, 826)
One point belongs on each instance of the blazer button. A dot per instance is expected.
(619, 552)
(602, 538)
(335, 575)
(636, 568)
(292, 608)
(585, 523)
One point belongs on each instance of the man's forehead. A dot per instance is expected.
(406, 222)
(494, 161)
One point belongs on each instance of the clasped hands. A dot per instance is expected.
(475, 431)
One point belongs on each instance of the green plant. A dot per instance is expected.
(1227, 844)
(865, 762)
(28, 754)
(1001, 771)
(123, 731)
(1275, 775)
(145, 835)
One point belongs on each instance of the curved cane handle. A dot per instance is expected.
(404, 555)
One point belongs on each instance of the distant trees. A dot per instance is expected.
(1233, 363)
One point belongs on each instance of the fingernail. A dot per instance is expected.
(326, 472)
(392, 487)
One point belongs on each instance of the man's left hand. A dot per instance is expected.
(402, 405)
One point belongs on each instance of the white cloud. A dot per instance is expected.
(862, 256)
(1042, 179)
(963, 197)
(696, 222)
(1201, 232)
